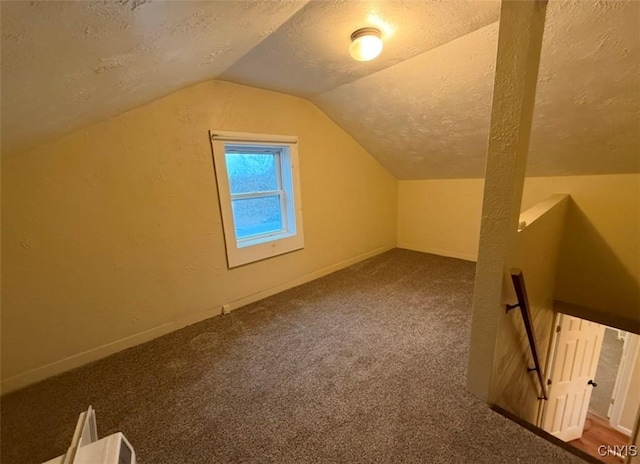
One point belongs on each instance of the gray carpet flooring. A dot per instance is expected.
(366, 365)
(608, 365)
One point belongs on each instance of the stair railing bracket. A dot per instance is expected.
(512, 306)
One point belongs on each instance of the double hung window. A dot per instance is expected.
(258, 187)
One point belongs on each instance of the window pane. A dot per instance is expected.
(251, 172)
(253, 216)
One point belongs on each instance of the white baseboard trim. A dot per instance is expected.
(624, 430)
(439, 252)
(57, 367)
(305, 278)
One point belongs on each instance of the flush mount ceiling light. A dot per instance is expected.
(366, 44)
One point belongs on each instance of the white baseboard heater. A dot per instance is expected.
(87, 449)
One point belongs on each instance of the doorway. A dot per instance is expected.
(607, 372)
(594, 388)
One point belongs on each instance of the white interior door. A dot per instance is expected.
(626, 394)
(575, 362)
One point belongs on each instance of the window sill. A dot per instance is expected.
(265, 239)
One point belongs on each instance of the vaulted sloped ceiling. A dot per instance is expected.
(422, 108)
(68, 64)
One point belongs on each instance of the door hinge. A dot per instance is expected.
(557, 329)
(548, 381)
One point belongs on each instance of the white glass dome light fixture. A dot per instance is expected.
(366, 44)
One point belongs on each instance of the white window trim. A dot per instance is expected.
(250, 249)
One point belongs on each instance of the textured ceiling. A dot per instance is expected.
(68, 64)
(422, 108)
(432, 118)
(310, 53)
(587, 113)
(428, 117)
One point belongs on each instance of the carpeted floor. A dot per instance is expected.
(366, 365)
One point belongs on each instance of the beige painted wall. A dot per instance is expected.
(600, 255)
(535, 252)
(112, 235)
(440, 216)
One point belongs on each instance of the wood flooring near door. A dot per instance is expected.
(597, 432)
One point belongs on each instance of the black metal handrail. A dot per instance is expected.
(523, 303)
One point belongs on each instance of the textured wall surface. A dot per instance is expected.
(514, 92)
(112, 235)
(536, 253)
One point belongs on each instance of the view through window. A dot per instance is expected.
(259, 194)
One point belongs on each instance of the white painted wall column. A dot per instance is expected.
(517, 62)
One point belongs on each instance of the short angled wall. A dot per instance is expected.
(440, 216)
(536, 253)
(599, 263)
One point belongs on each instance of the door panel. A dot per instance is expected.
(575, 361)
